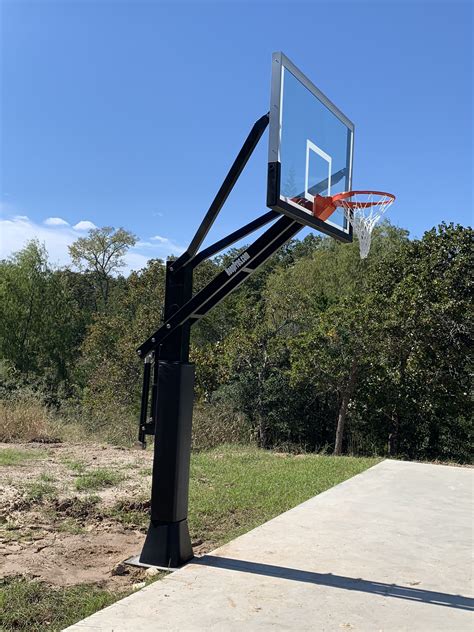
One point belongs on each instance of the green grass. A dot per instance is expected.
(47, 478)
(128, 517)
(34, 606)
(98, 479)
(15, 456)
(234, 489)
(130, 466)
(38, 491)
(75, 466)
(70, 525)
(10, 532)
(131, 514)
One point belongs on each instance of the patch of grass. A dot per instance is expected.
(234, 489)
(70, 525)
(10, 532)
(132, 519)
(24, 417)
(145, 471)
(15, 456)
(38, 491)
(19, 534)
(130, 466)
(131, 514)
(46, 478)
(31, 606)
(75, 466)
(98, 479)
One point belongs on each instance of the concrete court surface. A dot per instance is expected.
(387, 550)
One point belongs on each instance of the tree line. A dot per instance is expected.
(318, 350)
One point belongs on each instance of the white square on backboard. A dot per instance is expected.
(311, 147)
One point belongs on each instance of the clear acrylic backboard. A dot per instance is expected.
(310, 149)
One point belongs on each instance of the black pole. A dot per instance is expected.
(168, 543)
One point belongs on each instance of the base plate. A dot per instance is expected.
(135, 561)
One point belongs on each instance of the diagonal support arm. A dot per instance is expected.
(234, 172)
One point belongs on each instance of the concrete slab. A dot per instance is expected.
(389, 549)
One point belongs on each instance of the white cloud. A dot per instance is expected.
(160, 239)
(17, 230)
(55, 221)
(84, 224)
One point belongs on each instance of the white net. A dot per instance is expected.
(363, 210)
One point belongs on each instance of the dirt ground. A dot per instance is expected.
(55, 532)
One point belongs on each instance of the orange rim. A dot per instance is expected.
(341, 199)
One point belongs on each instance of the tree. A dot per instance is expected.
(428, 334)
(23, 282)
(333, 324)
(110, 370)
(40, 324)
(102, 252)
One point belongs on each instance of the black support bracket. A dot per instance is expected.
(225, 282)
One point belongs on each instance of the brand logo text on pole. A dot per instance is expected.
(238, 263)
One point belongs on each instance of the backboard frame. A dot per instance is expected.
(274, 200)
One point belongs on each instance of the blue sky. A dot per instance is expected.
(130, 113)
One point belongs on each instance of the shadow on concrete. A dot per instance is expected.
(338, 581)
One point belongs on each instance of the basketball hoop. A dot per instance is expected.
(363, 209)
